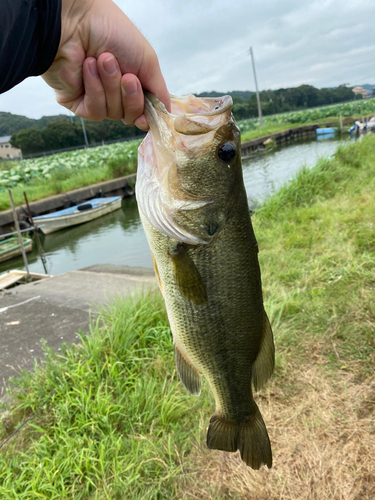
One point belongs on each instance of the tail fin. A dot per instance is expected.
(250, 437)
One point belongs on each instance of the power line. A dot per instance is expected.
(222, 67)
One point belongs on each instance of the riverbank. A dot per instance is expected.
(121, 425)
(64, 180)
(56, 309)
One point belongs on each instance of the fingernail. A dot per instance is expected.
(110, 66)
(142, 123)
(93, 68)
(130, 87)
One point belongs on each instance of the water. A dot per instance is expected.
(266, 172)
(118, 238)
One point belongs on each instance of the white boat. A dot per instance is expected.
(368, 126)
(72, 216)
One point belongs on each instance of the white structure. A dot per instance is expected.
(72, 216)
(7, 151)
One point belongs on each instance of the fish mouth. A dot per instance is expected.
(189, 115)
(190, 105)
(188, 130)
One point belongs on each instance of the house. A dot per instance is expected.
(360, 90)
(7, 151)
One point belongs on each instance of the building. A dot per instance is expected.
(7, 151)
(364, 92)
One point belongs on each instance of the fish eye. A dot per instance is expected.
(227, 151)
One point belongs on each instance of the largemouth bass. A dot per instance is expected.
(194, 209)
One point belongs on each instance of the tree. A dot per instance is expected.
(61, 134)
(29, 141)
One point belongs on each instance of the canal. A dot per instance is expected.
(118, 238)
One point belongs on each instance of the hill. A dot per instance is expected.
(10, 124)
(367, 86)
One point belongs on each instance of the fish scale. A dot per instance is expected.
(210, 276)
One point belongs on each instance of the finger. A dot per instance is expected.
(110, 76)
(93, 103)
(132, 98)
(152, 79)
(142, 123)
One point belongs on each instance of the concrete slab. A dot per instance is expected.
(56, 309)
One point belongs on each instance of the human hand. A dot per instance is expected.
(102, 63)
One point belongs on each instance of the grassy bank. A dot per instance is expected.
(251, 131)
(64, 172)
(120, 424)
(62, 181)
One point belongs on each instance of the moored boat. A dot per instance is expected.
(11, 247)
(79, 214)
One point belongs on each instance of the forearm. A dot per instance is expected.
(29, 39)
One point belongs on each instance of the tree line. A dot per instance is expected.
(62, 133)
(290, 99)
(59, 132)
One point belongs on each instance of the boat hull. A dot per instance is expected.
(55, 223)
(15, 249)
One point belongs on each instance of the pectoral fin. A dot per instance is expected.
(188, 279)
(265, 361)
(189, 376)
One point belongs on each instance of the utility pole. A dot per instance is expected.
(256, 88)
(84, 132)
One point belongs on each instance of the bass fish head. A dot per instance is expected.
(189, 166)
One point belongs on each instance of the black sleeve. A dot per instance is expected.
(30, 33)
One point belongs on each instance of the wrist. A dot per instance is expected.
(72, 11)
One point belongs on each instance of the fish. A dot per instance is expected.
(194, 210)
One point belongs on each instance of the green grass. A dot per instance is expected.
(7, 164)
(62, 181)
(317, 250)
(67, 179)
(121, 425)
(63, 172)
(271, 128)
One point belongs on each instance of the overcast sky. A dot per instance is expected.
(203, 45)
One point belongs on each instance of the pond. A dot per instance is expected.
(118, 238)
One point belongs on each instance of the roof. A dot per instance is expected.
(5, 138)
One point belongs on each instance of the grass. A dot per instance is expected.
(120, 424)
(271, 128)
(64, 180)
(7, 164)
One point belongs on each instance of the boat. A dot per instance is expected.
(78, 214)
(11, 247)
(324, 133)
(363, 127)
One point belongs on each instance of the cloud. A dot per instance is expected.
(202, 45)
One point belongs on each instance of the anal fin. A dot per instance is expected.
(264, 363)
(189, 376)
